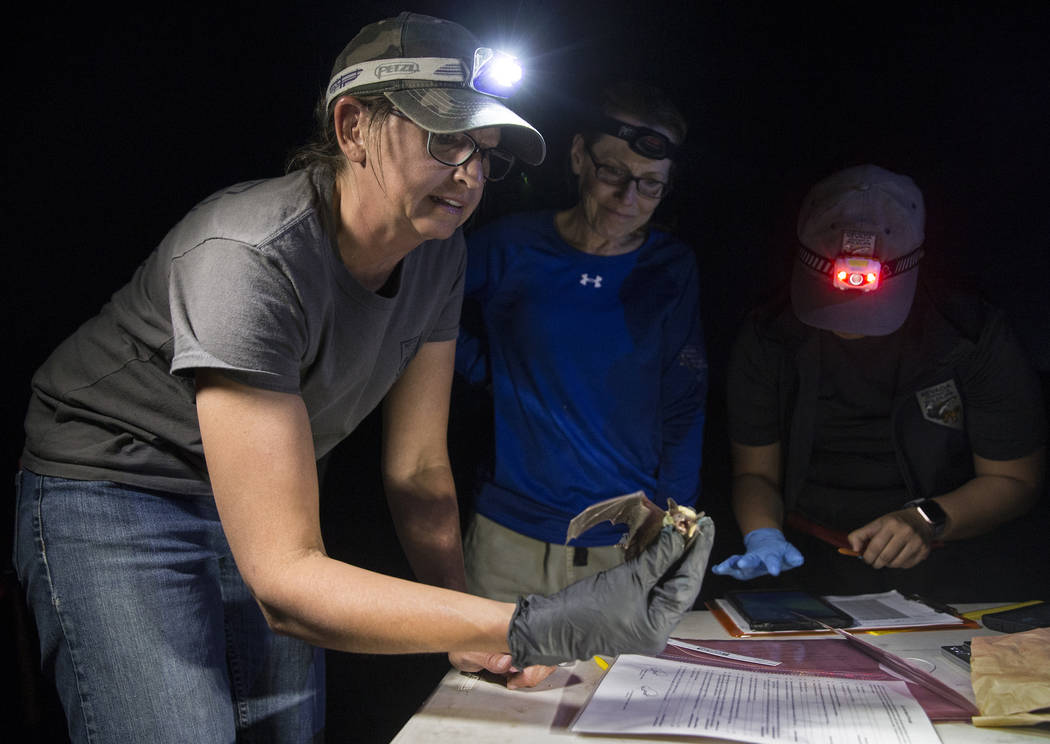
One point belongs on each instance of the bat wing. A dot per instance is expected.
(642, 517)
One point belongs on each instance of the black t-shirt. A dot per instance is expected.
(853, 474)
(1001, 408)
(784, 376)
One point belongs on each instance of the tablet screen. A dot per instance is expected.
(779, 609)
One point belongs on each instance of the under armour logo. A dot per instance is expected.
(596, 281)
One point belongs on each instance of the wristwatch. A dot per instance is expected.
(931, 513)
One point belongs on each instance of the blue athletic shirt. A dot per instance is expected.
(597, 368)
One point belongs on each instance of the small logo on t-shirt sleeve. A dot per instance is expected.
(942, 404)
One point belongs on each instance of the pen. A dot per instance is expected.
(719, 652)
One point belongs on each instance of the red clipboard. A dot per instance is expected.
(850, 658)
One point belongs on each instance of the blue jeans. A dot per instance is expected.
(146, 626)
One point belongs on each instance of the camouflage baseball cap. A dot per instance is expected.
(423, 65)
(863, 211)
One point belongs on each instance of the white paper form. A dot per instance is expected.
(890, 609)
(647, 695)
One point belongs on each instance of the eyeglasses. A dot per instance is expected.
(650, 188)
(456, 148)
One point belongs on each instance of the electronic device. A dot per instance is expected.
(645, 141)
(786, 609)
(855, 268)
(1028, 617)
(959, 653)
(932, 514)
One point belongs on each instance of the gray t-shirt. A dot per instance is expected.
(249, 282)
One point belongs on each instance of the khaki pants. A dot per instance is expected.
(503, 564)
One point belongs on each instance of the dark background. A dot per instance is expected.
(119, 122)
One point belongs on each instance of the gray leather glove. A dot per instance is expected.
(630, 609)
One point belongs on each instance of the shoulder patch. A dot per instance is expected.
(942, 404)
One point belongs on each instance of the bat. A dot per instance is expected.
(643, 518)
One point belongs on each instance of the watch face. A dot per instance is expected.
(932, 512)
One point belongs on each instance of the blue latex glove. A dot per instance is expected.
(767, 553)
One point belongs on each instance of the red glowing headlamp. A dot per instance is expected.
(855, 272)
(861, 273)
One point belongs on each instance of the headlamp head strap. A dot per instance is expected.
(907, 262)
(440, 70)
(493, 73)
(831, 267)
(645, 141)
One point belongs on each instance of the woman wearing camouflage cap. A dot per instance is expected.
(168, 533)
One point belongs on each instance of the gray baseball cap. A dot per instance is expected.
(865, 212)
(426, 66)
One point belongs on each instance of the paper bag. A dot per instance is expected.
(1011, 678)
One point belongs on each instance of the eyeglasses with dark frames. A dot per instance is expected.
(651, 188)
(456, 148)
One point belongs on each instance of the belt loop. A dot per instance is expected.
(579, 556)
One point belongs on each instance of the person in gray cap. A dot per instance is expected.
(872, 413)
(168, 534)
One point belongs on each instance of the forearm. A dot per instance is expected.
(426, 517)
(759, 509)
(983, 503)
(1001, 490)
(260, 459)
(335, 605)
(757, 503)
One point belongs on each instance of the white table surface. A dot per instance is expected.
(466, 709)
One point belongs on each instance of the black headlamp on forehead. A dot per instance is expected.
(645, 141)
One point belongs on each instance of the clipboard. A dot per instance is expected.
(849, 658)
(906, 670)
(719, 612)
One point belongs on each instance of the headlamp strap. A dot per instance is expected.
(899, 265)
(448, 70)
(494, 73)
(645, 141)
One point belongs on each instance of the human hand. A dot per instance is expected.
(631, 608)
(530, 676)
(900, 539)
(476, 661)
(768, 552)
